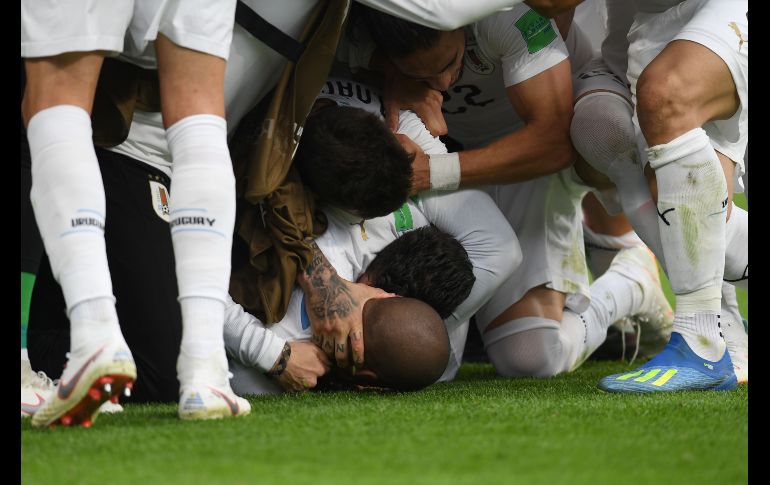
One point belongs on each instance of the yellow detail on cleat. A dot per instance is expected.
(664, 378)
(648, 376)
(629, 376)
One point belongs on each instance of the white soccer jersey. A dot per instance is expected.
(501, 50)
(350, 246)
(350, 243)
(253, 68)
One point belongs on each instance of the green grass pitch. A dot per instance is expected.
(478, 429)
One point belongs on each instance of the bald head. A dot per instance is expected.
(406, 342)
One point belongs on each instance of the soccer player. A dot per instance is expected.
(688, 65)
(508, 102)
(604, 133)
(632, 287)
(246, 81)
(407, 340)
(333, 146)
(64, 50)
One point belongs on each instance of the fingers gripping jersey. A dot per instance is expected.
(350, 243)
(346, 92)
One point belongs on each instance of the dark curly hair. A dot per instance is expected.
(350, 159)
(427, 264)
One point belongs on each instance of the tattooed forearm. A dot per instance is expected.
(332, 298)
(318, 262)
(328, 295)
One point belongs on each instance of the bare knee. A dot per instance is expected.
(662, 105)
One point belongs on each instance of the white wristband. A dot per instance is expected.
(444, 171)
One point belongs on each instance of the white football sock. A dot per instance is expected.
(93, 322)
(68, 200)
(692, 195)
(614, 296)
(603, 133)
(526, 347)
(541, 347)
(200, 316)
(730, 310)
(202, 210)
(737, 252)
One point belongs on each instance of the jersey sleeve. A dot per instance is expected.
(247, 340)
(471, 217)
(525, 43)
(411, 125)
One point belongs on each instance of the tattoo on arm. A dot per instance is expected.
(331, 297)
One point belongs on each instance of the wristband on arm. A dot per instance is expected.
(444, 171)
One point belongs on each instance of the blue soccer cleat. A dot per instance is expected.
(675, 368)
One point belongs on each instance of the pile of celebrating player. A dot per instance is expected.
(465, 163)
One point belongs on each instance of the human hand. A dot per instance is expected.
(400, 92)
(306, 364)
(338, 319)
(335, 308)
(420, 164)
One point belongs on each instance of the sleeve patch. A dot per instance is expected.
(536, 30)
(403, 218)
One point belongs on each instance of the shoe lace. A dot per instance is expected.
(44, 382)
(638, 327)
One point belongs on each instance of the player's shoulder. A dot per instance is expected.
(514, 28)
(500, 22)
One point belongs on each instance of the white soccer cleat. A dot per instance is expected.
(205, 391)
(655, 317)
(35, 389)
(94, 374)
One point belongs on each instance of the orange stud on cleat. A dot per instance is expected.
(66, 420)
(86, 423)
(94, 394)
(114, 399)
